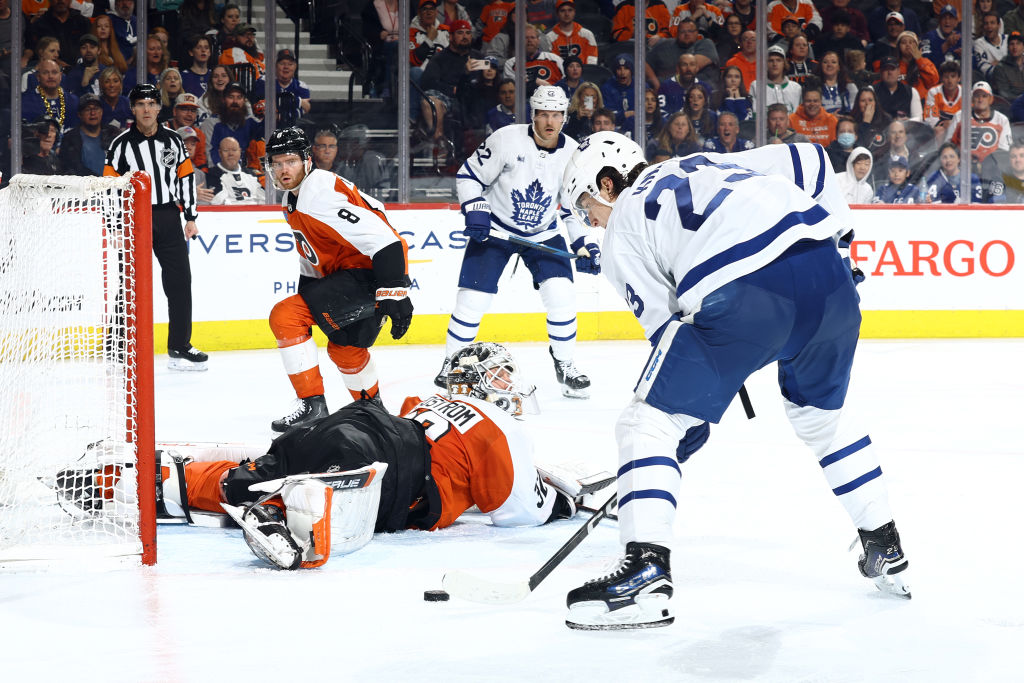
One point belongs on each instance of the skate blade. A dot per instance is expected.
(182, 365)
(893, 585)
(575, 393)
(595, 616)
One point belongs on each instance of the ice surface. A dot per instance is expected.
(765, 587)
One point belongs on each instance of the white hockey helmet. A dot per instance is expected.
(549, 98)
(598, 151)
(487, 371)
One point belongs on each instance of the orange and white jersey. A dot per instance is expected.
(580, 42)
(481, 456)
(684, 11)
(336, 226)
(938, 108)
(805, 14)
(237, 55)
(656, 17)
(493, 17)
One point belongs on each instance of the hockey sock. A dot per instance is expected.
(302, 365)
(202, 483)
(848, 460)
(470, 306)
(357, 370)
(559, 300)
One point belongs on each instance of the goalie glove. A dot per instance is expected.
(572, 481)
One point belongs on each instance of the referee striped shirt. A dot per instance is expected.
(161, 155)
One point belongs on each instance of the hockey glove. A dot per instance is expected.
(394, 303)
(589, 260)
(478, 219)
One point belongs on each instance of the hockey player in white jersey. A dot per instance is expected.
(511, 187)
(727, 270)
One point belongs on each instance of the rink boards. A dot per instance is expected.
(932, 272)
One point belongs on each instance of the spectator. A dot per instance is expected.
(427, 34)
(451, 11)
(838, 37)
(746, 59)
(230, 182)
(879, 17)
(170, 87)
(943, 101)
(676, 139)
(445, 71)
(233, 122)
(380, 29)
(702, 117)
(491, 21)
(990, 47)
(943, 186)
(39, 141)
(872, 120)
(811, 120)
(658, 22)
(230, 18)
(245, 52)
(728, 138)
(478, 94)
(366, 168)
(617, 91)
(942, 43)
(800, 65)
(125, 29)
(50, 99)
(110, 51)
(325, 150)
(837, 92)
(542, 68)
(293, 96)
(1008, 74)
(899, 145)
(63, 23)
(745, 10)
(896, 99)
(503, 114)
(654, 117)
(1014, 180)
(856, 22)
(157, 60)
(1017, 109)
(603, 119)
(573, 75)
(733, 96)
(579, 121)
(84, 147)
(915, 70)
(672, 92)
(855, 182)
(47, 47)
(778, 128)
(569, 39)
(663, 58)
(84, 75)
(790, 30)
(730, 41)
(803, 12)
(1014, 20)
(981, 8)
(212, 101)
(885, 46)
(117, 111)
(184, 115)
(190, 138)
(540, 13)
(195, 78)
(779, 88)
(840, 148)
(856, 69)
(709, 19)
(197, 18)
(898, 190)
(990, 129)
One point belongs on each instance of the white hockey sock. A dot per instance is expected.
(560, 302)
(470, 306)
(648, 476)
(848, 460)
(357, 380)
(300, 357)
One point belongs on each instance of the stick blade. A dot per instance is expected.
(477, 589)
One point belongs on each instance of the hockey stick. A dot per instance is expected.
(514, 239)
(478, 589)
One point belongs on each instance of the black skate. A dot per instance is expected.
(635, 595)
(442, 377)
(883, 561)
(574, 383)
(306, 412)
(187, 360)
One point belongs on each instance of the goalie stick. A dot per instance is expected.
(478, 589)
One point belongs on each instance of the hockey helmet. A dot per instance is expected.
(597, 152)
(291, 140)
(487, 371)
(549, 98)
(143, 91)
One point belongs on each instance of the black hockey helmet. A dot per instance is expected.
(487, 371)
(291, 140)
(144, 91)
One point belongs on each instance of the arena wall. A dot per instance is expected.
(932, 272)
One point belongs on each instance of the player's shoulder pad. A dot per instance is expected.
(320, 189)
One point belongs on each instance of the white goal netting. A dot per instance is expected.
(73, 398)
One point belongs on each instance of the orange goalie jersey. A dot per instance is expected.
(481, 456)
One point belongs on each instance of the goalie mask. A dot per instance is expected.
(487, 371)
(286, 141)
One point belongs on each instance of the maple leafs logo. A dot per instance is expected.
(529, 209)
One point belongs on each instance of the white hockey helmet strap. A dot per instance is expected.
(605, 149)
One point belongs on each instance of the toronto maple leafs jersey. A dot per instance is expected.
(520, 183)
(689, 226)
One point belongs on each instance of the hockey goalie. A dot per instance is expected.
(327, 487)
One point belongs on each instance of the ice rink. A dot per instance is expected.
(766, 589)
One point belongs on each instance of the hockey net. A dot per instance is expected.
(76, 371)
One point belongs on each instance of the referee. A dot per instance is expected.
(150, 147)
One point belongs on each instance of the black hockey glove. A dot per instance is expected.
(394, 303)
(590, 257)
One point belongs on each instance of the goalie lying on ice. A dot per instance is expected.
(442, 456)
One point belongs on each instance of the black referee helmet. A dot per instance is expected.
(143, 91)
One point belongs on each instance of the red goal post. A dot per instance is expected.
(77, 433)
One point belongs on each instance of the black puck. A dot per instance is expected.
(436, 596)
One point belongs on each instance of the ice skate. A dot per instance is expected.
(306, 412)
(883, 561)
(187, 360)
(635, 595)
(442, 376)
(574, 383)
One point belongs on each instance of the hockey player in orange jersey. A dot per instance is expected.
(353, 272)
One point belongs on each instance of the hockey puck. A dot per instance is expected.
(436, 596)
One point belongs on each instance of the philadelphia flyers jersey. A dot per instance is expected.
(335, 226)
(580, 42)
(480, 455)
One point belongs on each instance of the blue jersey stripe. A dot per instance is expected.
(648, 493)
(464, 323)
(567, 322)
(657, 460)
(472, 176)
(798, 168)
(858, 482)
(819, 184)
(569, 338)
(464, 340)
(843, 452)
(738, 252)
